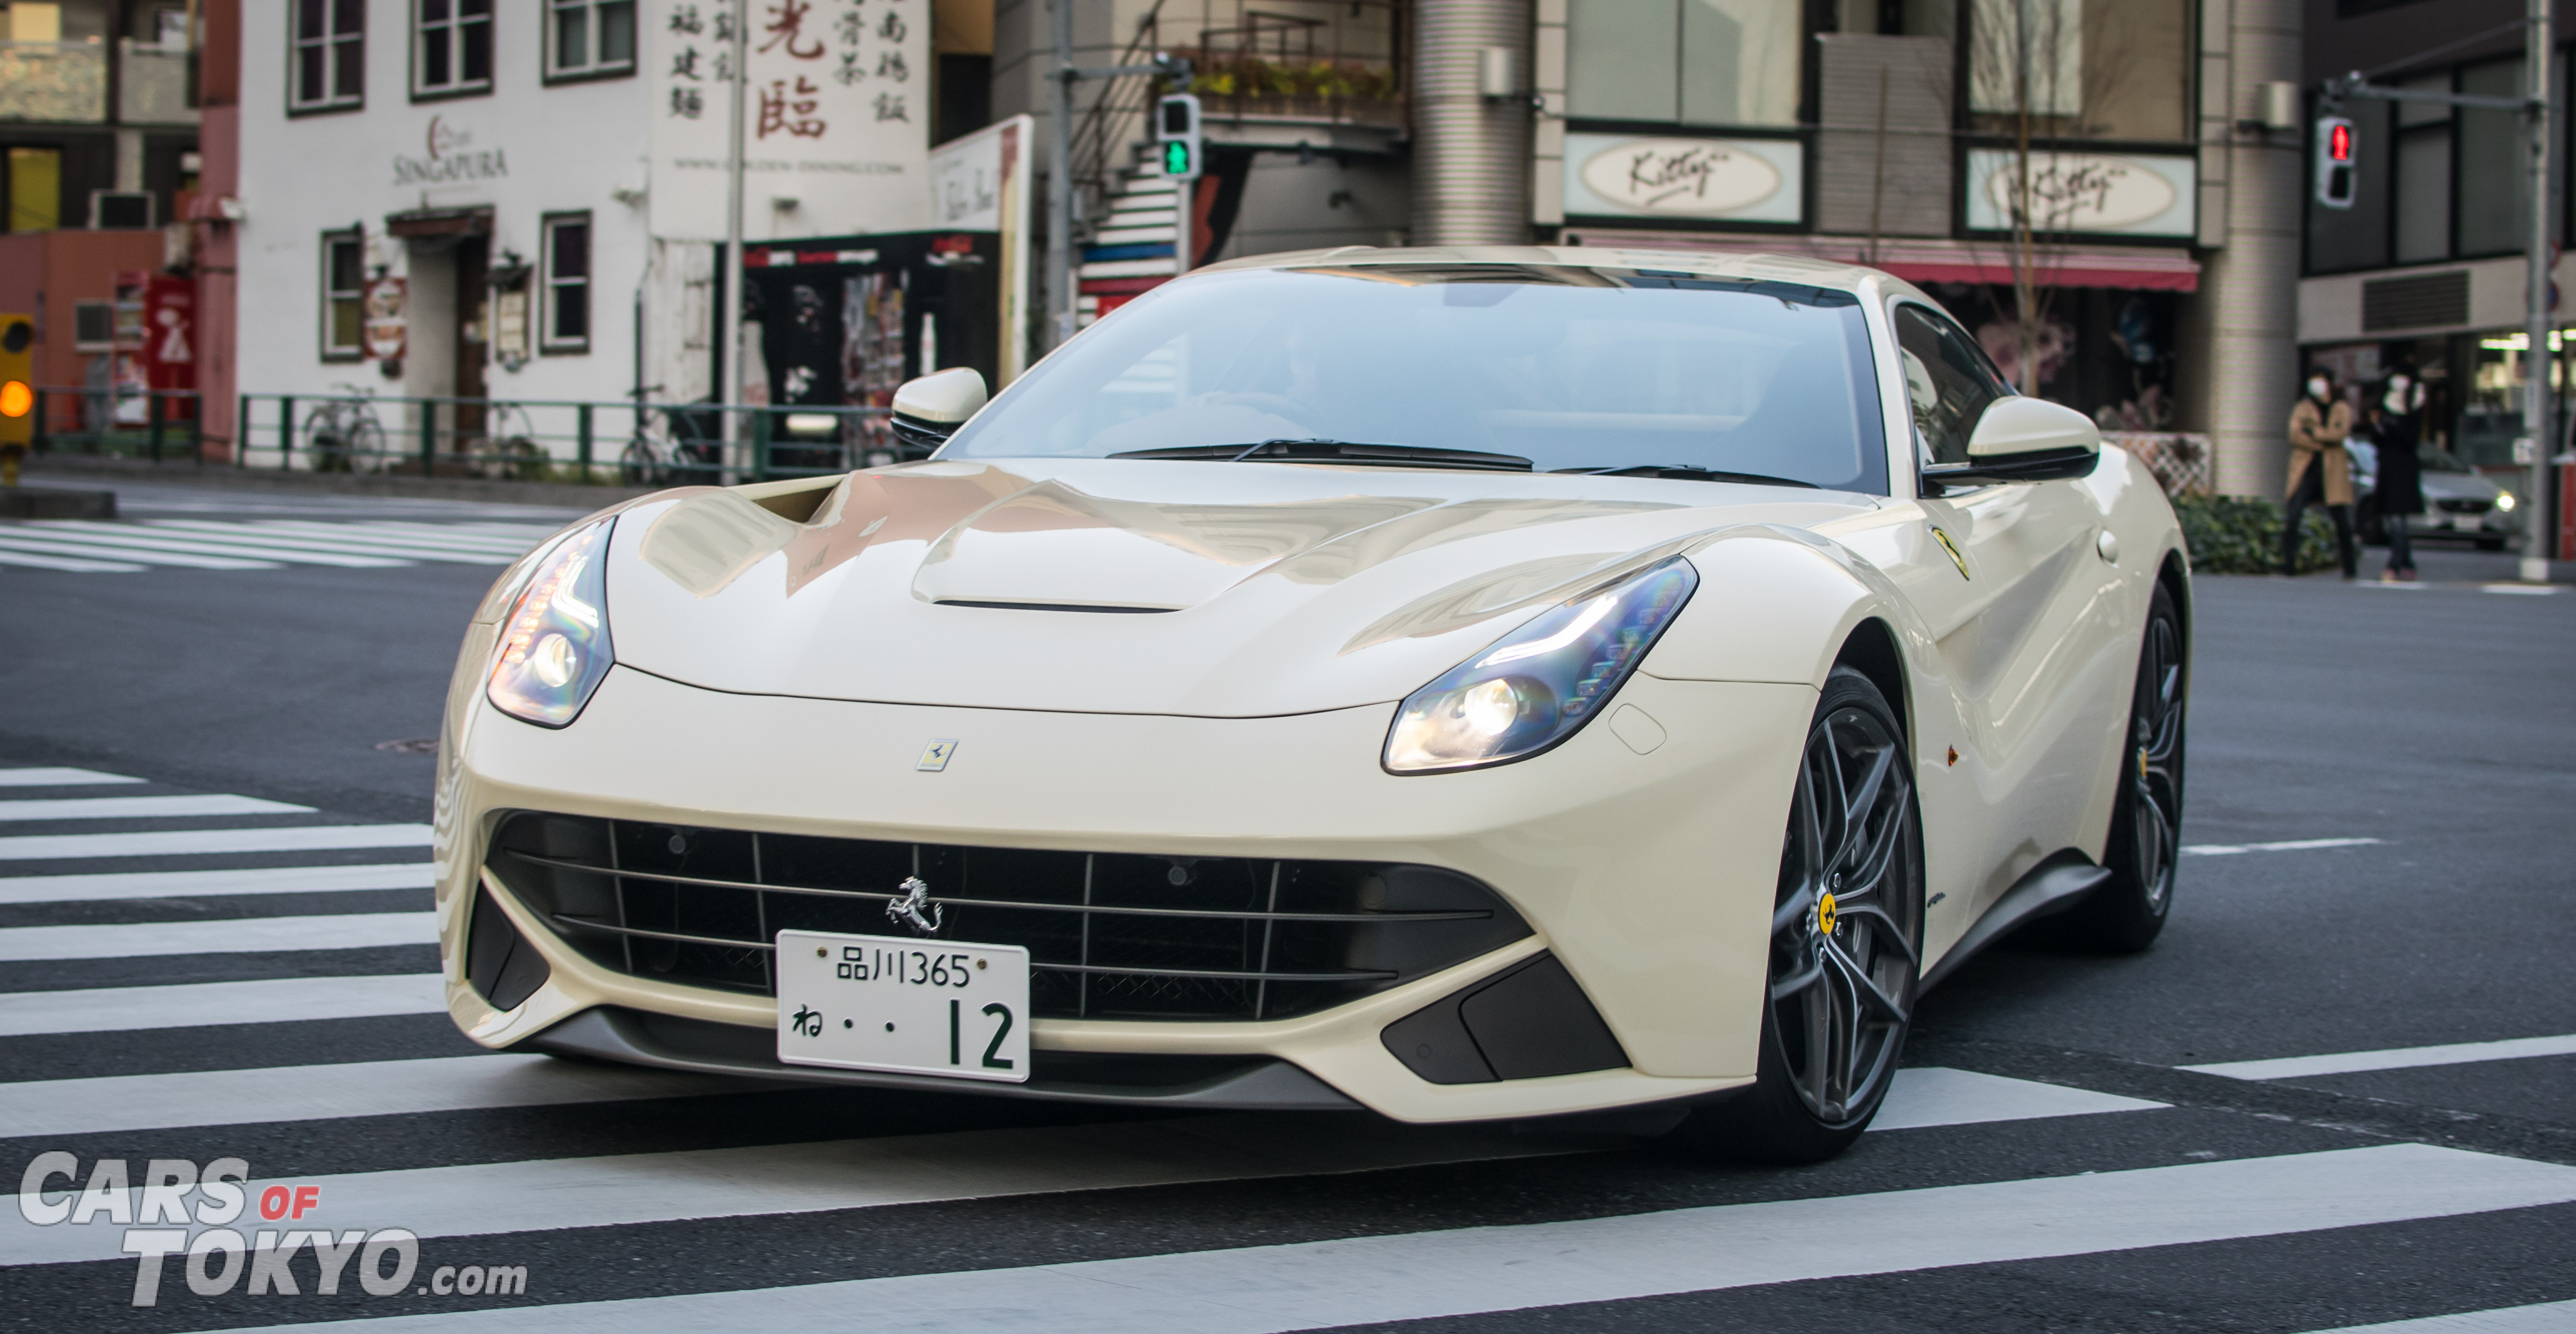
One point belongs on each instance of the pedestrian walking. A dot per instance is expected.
(2320, 469)
(2398, 424)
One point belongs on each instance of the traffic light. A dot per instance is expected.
(2336, 162)
(1176, 133)
(17, 383)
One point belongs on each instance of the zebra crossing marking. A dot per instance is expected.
(271, 1000)
(1928, 1096)
(2546, 1318)
(1519, 1267)
(302, 1093)
(137, 808)
(207, 884)
(100, 547)
(60, 778)
(2393, 1058)
(169, 843)
(232, 935)
(759, 1180)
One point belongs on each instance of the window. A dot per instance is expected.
(451, 49)
(344, 295)
(330, 55)
(93, 326)
(2081, 68)
(2424, 175)
(1692, 62)
(565, 314)
(589, 38)
(35, 189)
(1948, 379)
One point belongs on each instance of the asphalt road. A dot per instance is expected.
(2416, 742)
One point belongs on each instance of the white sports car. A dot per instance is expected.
(1460, 684)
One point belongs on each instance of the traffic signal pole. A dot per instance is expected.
(2538, 359)
(1060, 295)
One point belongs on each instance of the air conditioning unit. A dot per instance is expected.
(120, 209)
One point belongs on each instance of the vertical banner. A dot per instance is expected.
(980, 182)
(836, 116)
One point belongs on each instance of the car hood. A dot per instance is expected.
(1137, 586)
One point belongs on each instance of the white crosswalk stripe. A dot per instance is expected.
(240, 935)
(269, 1000)
(137, 808)
(257, 1075)
(1420, 1276)
(90, 546)
(2547, 1318)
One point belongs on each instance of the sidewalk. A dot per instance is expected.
(81, 470)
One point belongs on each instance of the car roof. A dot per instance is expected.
(1715, 264)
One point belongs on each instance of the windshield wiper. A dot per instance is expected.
(1339, 451)
(1686, 473)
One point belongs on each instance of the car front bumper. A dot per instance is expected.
(1650, 876)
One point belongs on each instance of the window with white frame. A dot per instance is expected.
(451, 47)
(588, 39)
(564, 310)
(328, 64)
(344, 295)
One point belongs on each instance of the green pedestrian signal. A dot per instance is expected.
(1176, 130)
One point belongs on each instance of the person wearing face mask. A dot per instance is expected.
(2320, 470)
(2399, 417)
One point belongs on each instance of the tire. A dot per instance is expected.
(2124, 916)
(1838, 999)
(2490, 544)
(636, 466)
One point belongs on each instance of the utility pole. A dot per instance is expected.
(1059, 256)
(730, 318)
(2538, 360)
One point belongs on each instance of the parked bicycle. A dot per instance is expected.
(341, 431)
(671, 444)
(510, 451)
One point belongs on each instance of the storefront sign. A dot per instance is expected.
(1746, 180)
(448, 156)
(836, 117)
(2084, 193)
(980, 182)
(385, 328)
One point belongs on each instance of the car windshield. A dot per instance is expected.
(2433, 458)
(1572, 368)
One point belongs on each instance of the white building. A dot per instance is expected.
(455, 198)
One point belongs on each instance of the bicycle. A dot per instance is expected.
(340, 431)
(510, 450)
(669, 442)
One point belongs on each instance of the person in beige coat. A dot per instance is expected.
(2320, 469)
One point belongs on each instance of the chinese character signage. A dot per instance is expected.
(835, 116)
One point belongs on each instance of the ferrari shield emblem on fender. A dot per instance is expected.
(934, 757)
(1937, 536)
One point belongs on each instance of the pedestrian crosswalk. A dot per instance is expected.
(310, 1039)
(87, 546)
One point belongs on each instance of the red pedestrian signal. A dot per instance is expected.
(2338, 164)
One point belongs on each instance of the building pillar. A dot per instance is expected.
(2250, 284)
(1471, 154)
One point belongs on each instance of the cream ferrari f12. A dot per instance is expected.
(1459, 684)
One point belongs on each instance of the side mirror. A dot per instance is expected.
(2024, 440)
(929, 410)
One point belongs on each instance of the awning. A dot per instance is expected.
(1918, 260)
(440, 222)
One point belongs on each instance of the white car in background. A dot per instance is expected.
(2459, 501)
(1462, 684)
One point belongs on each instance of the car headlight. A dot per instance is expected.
(2504, 503)
(1537, 685)
(554, 646)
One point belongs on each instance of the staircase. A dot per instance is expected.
(1131, 251)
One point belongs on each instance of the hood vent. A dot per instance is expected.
(1048, 606)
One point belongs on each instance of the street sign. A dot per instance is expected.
(2336, 161)
(1176, 131)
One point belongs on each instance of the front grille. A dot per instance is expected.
(2464, 506)
(1109, 935)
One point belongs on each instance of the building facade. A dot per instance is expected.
(2425, 271)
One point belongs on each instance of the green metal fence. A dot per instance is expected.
(616, 442)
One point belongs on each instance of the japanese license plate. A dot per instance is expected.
(919, 1007)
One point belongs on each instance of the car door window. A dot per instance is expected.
(1948, 381)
